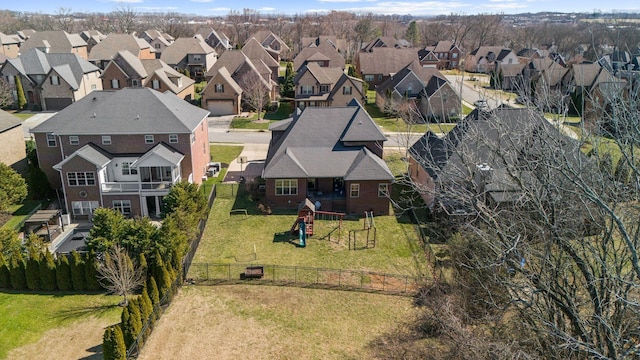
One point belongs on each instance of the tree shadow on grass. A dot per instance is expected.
(286, 237)
(76, 313)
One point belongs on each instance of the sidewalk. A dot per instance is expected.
(255, 155)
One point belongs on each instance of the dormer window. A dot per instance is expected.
(346, 90)
(197, 58)
(219, 88)
(55, 80)
(115, 84)
(155, 84)
(324, 89)
(135, 83)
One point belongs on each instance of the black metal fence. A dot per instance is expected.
(366, 281)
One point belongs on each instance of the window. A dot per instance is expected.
(409, 90)
(106, 140)
(368, 78)
(157, 46)
(83, 207)
(454, 55)
(93, 87)
(219, 88)
(73, 140)
(55, 80)
(383, 190)
(193, 138)
(128, 170)
(135, 83)
(81, 178)
(155, 84)
(287, 187)
(51, 140)
(196, 58)
(115, 84)
(124, 206)
(346, 90)
(173, 138)
(379, 77)
(306, 90)
(355, 190)
(324, 89)
(148, 139)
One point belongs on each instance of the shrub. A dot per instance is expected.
(125, 320)
(47, 272)
(113, 346)
(32, 274)
(77, 272)
(5, 281)
(153, 292)
(135, 320)
(91, 272)
(17, 272)
(63, 274)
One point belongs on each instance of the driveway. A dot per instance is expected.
(34, 121)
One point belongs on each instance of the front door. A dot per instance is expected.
(154, 206)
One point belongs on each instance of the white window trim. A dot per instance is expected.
(74, 140)
(354, 188)
(291, 185)
(88, 178)
(106, 139)
(149, 139)
(173, 138)
(122, 205)
(51, 140)
(383, 190)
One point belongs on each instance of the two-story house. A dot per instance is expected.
(56, 41)
(228, 79)
(331, 155)
(485, 59)
(427, 89)
(92, 37)
(378, 64)
(123, 150)
(325, 86)
(102, 53)
(127, 70)
(158, 40)
(443, 55)
(277, 47)
(191, 54)
(262, 58)
(51, 81)
(325, 54)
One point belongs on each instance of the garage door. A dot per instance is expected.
(57, 103)
(220, 107)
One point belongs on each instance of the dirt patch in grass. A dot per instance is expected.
(80, 340)
(266, 322)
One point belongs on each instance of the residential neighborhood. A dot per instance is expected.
(398, 186)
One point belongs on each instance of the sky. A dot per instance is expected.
(416, 7)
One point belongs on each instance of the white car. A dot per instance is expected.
(481, 104)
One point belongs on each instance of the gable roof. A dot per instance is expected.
(254, 50)
(323, 51)
(182, 47)
(125, 111)
(165, 73)
(327, 153)
(266, 38)
(385, 61)
(109, 46)
(226, 76)
(430, 78)
(323, 75)
(386, 41)
(71, 66)
(55, 41)
(90, 153)
(162, 151)
(8, 40)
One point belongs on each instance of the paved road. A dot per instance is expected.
(470, 94)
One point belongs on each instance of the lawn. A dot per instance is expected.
(224, 154)
(265, 322)
(23, 116)
(284, 111)
(19, 214)
(26, 318)
(232, 239)
(569, 119)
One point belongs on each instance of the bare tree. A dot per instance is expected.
(6, 98)
(118, 274)
(65, 19)
(255, 91)
(549, 237)
(123, 20)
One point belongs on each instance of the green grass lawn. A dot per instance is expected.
(284, 111)
(232, 238)
(23, 116)
(24, 318)
(19, 213)
(569, 119)
(224, 154)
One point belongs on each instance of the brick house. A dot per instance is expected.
(443, 55)
(427, 88)
(158, 40)
(485, 59)
(323, 86)
(123, 149)
(126, 70)
(378, 64)
(331, 155)
(51, 81)
(102, 53)
(192, 54)
(56, 41)
(324, 53)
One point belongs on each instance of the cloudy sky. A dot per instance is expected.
(418, 8)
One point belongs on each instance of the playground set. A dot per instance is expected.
(303, 226)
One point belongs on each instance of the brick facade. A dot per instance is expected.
(12, 147)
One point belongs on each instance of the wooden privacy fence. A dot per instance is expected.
(305, 277)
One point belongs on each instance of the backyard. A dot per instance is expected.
(54, 326)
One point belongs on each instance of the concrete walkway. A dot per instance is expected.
(37, 119)
(255, 155)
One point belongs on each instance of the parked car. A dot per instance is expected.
(481, 104)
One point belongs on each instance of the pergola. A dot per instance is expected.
(45, 223)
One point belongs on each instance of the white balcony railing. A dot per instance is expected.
(116, 187)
